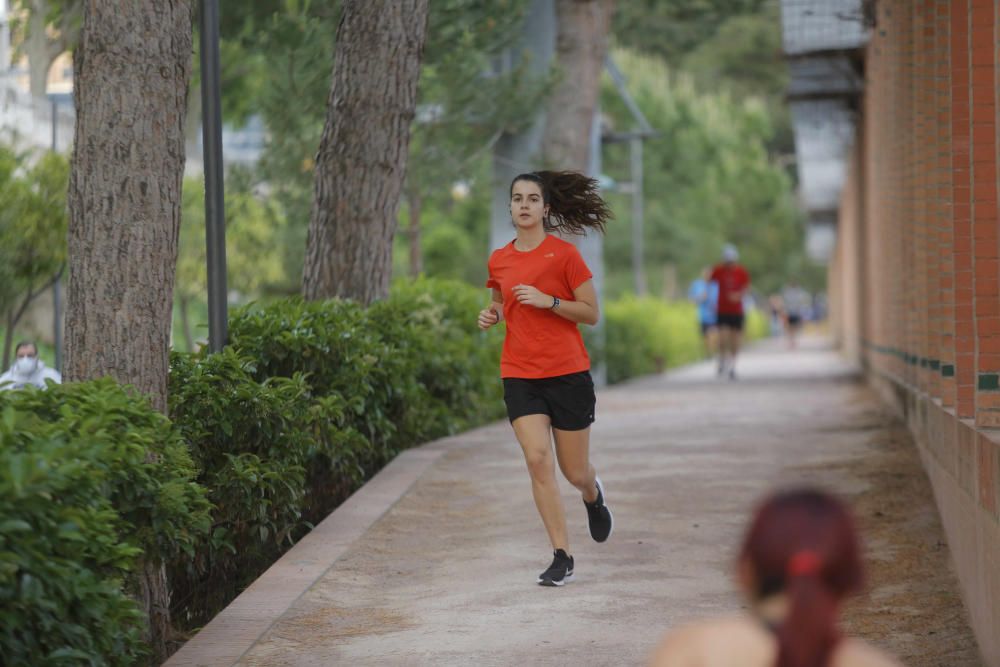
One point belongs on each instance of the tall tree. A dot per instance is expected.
(361, 162)
(132, 68)
(46, 29)
(32, 232)
(673, 29)
(581, 44)
(464, 106)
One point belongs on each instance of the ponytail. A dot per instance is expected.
(808, 634)
(574, 201)
(803, 543)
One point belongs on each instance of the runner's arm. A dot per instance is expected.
(582, 309)
(492, 315)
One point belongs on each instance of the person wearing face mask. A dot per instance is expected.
(28, 369)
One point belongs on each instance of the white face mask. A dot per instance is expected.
(26, 365)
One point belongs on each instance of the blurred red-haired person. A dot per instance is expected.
(800, 560)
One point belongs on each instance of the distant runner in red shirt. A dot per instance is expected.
(733, 281)
(543, 289)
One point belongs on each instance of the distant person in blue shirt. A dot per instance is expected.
(705, 295)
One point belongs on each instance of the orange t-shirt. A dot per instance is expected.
(539, 342)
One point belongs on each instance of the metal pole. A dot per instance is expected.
(215, 216)
(57, 320)
(638, 271)
(55, 123)
(517, 153)
(57, 340)
(4, 39)
(592, 248)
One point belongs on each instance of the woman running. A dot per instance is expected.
(799, 561)
(543, 289)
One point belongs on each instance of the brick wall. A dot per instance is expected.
(917, 267)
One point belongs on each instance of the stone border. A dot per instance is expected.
(235, 630)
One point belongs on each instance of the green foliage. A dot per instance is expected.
(253, 443)
(671, 30)
(708, 181)
(455, 230)
(61, 563)
(92, 482)
(404, 363)
(253, 229)
(461, 110)
(743, 56)
(309, 401)
(648, 335)
(32, 221)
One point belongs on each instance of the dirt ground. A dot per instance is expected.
(907, 556)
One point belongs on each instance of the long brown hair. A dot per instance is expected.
(574, 201)
(804, 543)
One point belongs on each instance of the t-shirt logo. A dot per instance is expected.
(550, 254)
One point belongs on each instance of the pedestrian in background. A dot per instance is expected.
(733, 281)
(705, 295)
(28, 370)
(798, 303)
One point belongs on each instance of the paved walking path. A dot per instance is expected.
(434, 562)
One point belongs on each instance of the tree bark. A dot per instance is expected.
(131, 75)
(581, 45)
(361, 162)
(415, 202)
(8, 339)
(132, 68)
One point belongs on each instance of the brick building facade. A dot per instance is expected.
(915, 279)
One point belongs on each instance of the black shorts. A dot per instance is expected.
(568, 400)
(794, 320)
(706, 327)
(731, 321)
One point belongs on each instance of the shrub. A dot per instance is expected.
(253, 443)
(93, 482)
(310, 400)
(647, 335)
(411, 368)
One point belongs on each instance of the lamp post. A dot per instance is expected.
(215, 216)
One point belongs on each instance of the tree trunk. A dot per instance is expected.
(38, 48)
(132, 68)
(8, 339)
(581, 45)
(415, 202)
(361, 162)
(131, 75)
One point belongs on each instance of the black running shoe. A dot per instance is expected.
(559, 572)
(602, 522)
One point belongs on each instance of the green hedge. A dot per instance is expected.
(310, 400)
(92, 481)
(307, 402)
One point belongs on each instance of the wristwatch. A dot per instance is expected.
(555, 303)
